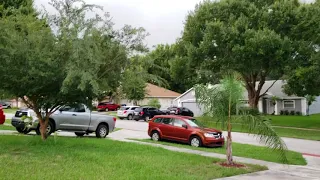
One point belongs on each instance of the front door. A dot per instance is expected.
(167, 128)
(73, 118)
(180, 132)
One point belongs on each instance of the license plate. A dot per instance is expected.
(135, 113)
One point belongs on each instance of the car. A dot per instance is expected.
(107, 107)
(2, 116)
(78, 119)
(146, 113)
(182, 111)
(126, 112)
(5, 105)
(184, 129)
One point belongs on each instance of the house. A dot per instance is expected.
(164, 96)
(265, 105)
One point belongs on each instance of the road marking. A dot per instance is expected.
(314, 155)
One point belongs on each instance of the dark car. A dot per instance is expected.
(146, 113)
(184, 129)
(182, 111)
(108, 107)
(5, 105)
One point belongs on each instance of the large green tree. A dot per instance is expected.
(258, 39)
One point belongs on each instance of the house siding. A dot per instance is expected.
(297, 108)
(315, 106)
(164, 102)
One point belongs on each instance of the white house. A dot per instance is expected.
(285, 102)
(164, 96)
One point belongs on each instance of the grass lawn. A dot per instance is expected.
(27, 157)
(242, 150)
(3, 127)
(10, 111)
(309, 122)
(311, 134)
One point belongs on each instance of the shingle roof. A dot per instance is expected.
(156, 91)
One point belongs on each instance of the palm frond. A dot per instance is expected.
(260, 127)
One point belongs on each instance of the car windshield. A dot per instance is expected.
(194, 123)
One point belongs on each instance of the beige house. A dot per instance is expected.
(164, 96)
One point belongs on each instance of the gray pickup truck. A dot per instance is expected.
(78, 119)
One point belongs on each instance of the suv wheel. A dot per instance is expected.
(155, 136)
(195, 141)
(147, 118)
(130, 117)
(102, 131)
(23, 131)
(107, 109)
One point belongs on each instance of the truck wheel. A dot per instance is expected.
(130, 117)
(102, 131)
(79, 134)
(20, 130)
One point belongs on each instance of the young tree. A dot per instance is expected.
(218, 102)
(154, 103)
(253, 38)
(274, 100)
(310, 100)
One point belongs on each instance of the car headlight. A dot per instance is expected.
(208, 135)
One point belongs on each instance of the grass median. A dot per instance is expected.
(27, 157)
(241, 150)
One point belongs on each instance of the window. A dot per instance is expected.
(178, 123)
(158, 120)
(152, 109)
(133, 108)
(288, 104)
(167, 121)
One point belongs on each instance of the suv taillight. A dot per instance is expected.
(141, 113)
(114, 119)
(178, 110)
(124, 112)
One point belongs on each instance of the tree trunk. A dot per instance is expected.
(308, 110)
(43, 127)
(229, 138)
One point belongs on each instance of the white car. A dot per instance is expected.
(126, 112)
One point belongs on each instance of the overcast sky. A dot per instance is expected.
(163, 19)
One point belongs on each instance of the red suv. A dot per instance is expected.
(2, 116)
(184, 129)
(107, 107)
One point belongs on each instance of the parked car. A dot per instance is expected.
(5, 105)
(78, 119)
(126, 112)
(108, 107)
(2, 116)
(146, 113)
(182, 111)
(184, 129)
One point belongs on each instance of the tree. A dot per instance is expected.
(24, 7)
(258, 39)
(310, 100)
(218, 102)
(154, 103)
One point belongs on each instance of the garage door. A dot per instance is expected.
(193, 106)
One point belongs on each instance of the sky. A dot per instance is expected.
(163, 19)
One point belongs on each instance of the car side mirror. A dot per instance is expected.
(60, 110)
(184, 126)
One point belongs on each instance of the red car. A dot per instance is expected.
(184, 129)
(107, 107)
(2, 116)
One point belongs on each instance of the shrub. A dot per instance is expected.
(286, 112)
(292, 113)
(298, 113)
(154, 103)
(248, 110)
(281, 112)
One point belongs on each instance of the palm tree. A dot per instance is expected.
(310, 99)
(274, 100)
(218, 102)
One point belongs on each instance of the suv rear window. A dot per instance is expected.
(138, 109)
(20, 114)
(124, 108)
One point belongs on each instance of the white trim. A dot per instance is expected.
(304, 106)
(260, 105)
(276, 108)
(294, 104)
(184, 93)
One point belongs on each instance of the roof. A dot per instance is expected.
(275, 90)
(156, 91)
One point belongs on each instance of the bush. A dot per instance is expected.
(286, 112)
(154, 103)
(298, 113)
(281, 112)
(292, 113)
(248, 110)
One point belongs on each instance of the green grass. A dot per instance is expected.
(309, 122)
(242, 150)
(310, 134)
(10, 111)
(27, 157)
(3, 127)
